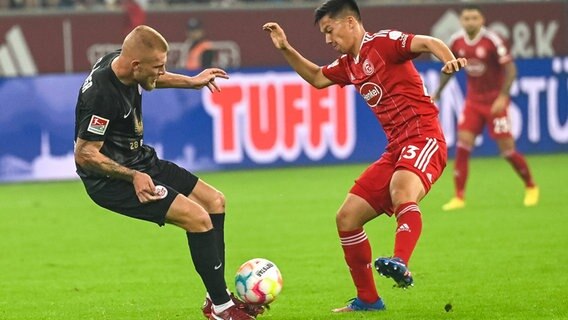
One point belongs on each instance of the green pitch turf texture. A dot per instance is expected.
(62, 257)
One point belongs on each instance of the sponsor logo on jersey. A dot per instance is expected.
(98, 125)
(480, 52)
(368, 67)
(404, 39)
(372, 93)
(475, 67)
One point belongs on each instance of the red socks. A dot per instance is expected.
(357, 249)
(409, 227)
(461, 170)
(516, 160)
(357, 252)
(520, 165)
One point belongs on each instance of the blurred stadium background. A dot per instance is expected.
(46, 53)
(265, 118)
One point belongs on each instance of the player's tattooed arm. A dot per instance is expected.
(89, 157)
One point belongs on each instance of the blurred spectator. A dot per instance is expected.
(5, 5)
(52, 3)
(135, 14)
(199, 53)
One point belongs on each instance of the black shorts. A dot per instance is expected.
(119, 195)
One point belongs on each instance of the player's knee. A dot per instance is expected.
(400, 196)
(199, 223)
(192, 220)
(466, 140)
(506, 147)
(217, 205)
(507, 153)
(344, 220)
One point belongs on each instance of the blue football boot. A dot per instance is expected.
(356, 304)
(396, 269)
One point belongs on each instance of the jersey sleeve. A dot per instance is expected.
(501, 48)
(95, 116)
(503, 52)
(335, 72)
(396, 45)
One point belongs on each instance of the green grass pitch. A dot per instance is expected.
(62, 257)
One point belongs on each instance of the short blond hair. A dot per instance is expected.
(143, 40)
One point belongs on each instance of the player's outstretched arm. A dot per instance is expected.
(308, 70)
(438, 48)
(204, 79)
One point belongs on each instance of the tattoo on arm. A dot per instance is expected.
(89, 157)
(114, 169)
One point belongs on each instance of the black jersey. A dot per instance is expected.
(109, 111)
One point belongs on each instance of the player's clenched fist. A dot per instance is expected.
(276, 34)
(454, 65)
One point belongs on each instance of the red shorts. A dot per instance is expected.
(426, 157)
(475, 116)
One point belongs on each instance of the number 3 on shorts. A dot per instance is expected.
(408, 152)
(421, 155)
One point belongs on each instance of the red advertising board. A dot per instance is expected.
(54, 43)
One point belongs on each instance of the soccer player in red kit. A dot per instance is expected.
(490, 74)
(379, 66)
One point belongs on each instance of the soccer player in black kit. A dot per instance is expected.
(122, 174)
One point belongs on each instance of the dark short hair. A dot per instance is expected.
(335, 7)
(471, 7)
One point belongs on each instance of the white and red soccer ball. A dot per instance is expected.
(258, 281)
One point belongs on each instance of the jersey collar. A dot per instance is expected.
(356, 59)
(478, 36)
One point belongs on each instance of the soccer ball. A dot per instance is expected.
(258, 281)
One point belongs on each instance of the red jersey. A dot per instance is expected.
(486, 55)
(388, 81)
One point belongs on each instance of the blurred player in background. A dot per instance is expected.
(379, 65)
(490, 74)
(199, 53)
(122, 174)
